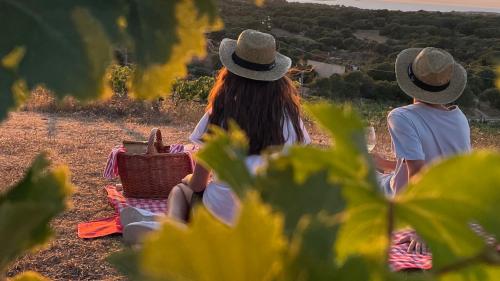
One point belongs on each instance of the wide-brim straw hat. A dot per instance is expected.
(254, 56)
(430, 75)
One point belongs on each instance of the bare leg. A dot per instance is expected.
(179, 202)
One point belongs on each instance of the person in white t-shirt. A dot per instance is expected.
(427, 130)
(253, 90)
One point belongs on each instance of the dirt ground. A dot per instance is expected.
(83, 143)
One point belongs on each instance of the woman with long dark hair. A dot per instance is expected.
(252, 90)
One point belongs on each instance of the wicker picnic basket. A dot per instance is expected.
(154, 173)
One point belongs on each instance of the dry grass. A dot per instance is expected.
(83, 142)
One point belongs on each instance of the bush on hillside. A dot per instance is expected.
(192, 90)
(492, 96)
(119, 79)
(382, 71)
(352, 85)
(390, 91)
(468, 99)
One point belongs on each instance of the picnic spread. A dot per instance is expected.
(149, 170)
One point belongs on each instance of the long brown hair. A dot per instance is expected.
(258, 107)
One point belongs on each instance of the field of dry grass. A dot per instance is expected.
(82, 141)
(83, 144)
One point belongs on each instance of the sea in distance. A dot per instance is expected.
(487, 6)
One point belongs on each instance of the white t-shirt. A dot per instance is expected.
(422, 132)
(218, 197)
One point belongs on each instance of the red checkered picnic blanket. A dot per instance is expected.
(111, 225)
(399, 259)
(118, 202)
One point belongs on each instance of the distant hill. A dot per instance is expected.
(370, 39)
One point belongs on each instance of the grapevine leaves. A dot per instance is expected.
(364, 230)
(27, 208)
(297, 199)
(225, 153)
(67, 45)
(330, 212)
(446, 198)
(478, 272)
(209, 250)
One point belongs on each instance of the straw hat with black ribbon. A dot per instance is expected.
(254, 56)
(430, 75)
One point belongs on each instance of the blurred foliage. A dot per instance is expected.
(26, 209)
(28, 276)
(279, 235)
(78, 39)
(67, 47)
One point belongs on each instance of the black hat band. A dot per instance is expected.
(424, 86)
(251, 65)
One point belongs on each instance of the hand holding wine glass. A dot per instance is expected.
(371, 138)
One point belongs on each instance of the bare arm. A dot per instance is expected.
(198, 181)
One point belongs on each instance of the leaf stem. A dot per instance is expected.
(390, 227)
(461, 264)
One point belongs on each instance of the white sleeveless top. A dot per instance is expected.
(218, 197)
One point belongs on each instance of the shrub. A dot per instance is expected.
(119, 78)
(492, 96)
(390, 91)
(383, 71)
(192, 90)
(467, 99)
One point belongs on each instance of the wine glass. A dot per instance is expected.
(371, 138)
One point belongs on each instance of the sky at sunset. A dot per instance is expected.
(415, 5)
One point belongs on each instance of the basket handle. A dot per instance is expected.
(155, 134)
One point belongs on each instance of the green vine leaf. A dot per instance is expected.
(73, 54)
(473, 273)
(294, 199)
(347, 160)
(225, 153)
(445, 198)
(127, 262)
(365, 229)
(310, 255)
(366, 217)
(206, 249)
(27, 208)
(78, 39)
(28, 276)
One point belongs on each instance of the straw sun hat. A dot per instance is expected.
(430, 75)
(254, 56)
